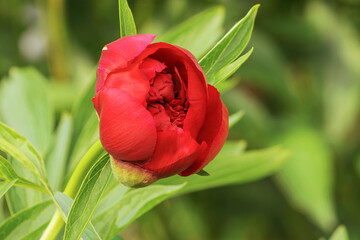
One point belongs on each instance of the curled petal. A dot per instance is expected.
(213, 132)
(174, 152)
(127, 129)
(193, 76)
(151, 66)
(117, 54)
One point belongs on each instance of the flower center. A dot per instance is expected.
(166, 100)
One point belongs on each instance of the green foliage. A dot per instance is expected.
(86, 125)
(121, 211)
(20, 149)
(25, 106)
(232, 166)
(87, 198)
(57, 159)
(307, 178)
(65, 203)
(26, 221)
(127, 24)
(234, 118)
(230, 69)
(191, 33)
(341, 97)
(5, 186)
(8, 174)
(228, 49)
(340, 233)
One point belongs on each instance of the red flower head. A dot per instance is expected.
(158, 116)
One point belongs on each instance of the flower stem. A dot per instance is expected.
(72, 188)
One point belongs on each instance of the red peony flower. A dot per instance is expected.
(158, 116)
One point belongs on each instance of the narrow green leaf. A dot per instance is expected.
(131, 205)
(87, 137)
(18, 155)
(229, 70)
(87, 198)
(65, 203)
(307, 178)
(111, 198)
(5, 186)
(235, 118)
(340, 233)
(20, 149)
(8, 173)
(57, 159)
(85, 125)
(25, 106)
(225, 86)
(83, 108)
(229, 48)
(232, 166)
(191, 33)
(20, 198)
(36, 234)
(127, 23)
(26, 221)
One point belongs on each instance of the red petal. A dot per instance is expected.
(127, 129)
(132, 81)
(213, 132)
(191, 73)
(197, 98)
(151, 66)
(117, 54)
(175, 151)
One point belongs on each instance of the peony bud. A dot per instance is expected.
(158, 116)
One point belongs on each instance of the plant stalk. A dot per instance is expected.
(72, 188)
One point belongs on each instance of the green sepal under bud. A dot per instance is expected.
(131, 175)
(203, 173)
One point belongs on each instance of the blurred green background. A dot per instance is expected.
(300, 88)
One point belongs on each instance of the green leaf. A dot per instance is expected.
(26, 221)
(65, 203)
(225, 86)
(19, 198)
(83, 108)
(340, 99)
(235, 118)
(57, 159)
(27, 163)
(36, 234)
(127, 24)
(257, 121)
(87, 198)
(230, 69)
(229, 48)
(307, 178)
(87, 137)
(5, 186)
(20, 149)
(85, 127)
(8, 174)
(340, 233)
(232, 166)
(191, 33)
(25, 106)
(129, 207)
